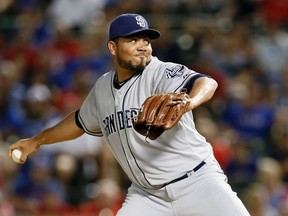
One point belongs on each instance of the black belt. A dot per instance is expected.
(185, 175)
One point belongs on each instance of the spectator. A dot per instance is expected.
(35, 184)
(11, 93)
(271, 176)
(74, 13)
(256, 199)
(249, 110)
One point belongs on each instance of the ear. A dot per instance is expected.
(112, 47)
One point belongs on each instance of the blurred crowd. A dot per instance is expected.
(53, 51)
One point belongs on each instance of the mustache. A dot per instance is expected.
(128, 65)
(141, 54)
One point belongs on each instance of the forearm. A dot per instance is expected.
(202, 91)
(64, 130)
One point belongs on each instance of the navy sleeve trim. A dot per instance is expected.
(82, 126)
(77, 119)
(191, 81)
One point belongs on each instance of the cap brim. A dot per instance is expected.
(151, 33)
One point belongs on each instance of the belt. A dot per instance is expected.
(185, 175)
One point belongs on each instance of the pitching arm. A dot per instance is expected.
(63, 131)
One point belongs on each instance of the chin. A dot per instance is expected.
(139, 68)
(141, 65)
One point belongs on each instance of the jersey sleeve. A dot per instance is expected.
(171, 77)
(87, 115)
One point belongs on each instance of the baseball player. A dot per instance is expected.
(172, 170)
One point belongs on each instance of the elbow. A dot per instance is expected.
(214, 84)
(210, 84)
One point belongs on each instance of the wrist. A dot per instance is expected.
(36, 142)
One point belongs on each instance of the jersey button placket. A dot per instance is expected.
(122, 135)
(118, 99)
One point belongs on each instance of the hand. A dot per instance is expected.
(26, 146)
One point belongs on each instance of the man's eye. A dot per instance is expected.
(147, 41)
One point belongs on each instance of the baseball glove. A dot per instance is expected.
(161, 112)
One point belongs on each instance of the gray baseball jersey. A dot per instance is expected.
(109, 111)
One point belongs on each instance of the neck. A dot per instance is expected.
(122, 75)
(119, 78)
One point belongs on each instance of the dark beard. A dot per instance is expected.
(129, 66)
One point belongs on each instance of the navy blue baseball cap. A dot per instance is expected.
(128, 24)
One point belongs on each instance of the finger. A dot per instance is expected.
(10, 149)
(23, 158)
(18, 145)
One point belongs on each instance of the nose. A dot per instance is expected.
(142, 45)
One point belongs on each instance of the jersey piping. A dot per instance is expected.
(80, 122)
(123, 149)
(129, 144)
